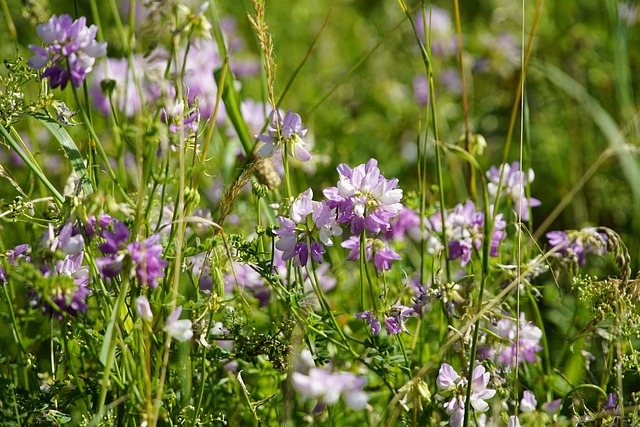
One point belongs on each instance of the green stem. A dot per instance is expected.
(31, 165)
(100, 148)
(111, 343)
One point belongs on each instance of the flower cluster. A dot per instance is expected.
(510, 181)
(573, 246)
(364, 198)
(465, 230)
(382, 253)
(394, 320)
(64, 289)
(525, 348)
(450, 382)
(281, 132)
(146, 255)
(327, 386)
(296, 233)
(70, 46)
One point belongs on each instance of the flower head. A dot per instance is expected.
(450, 382)
(573, 246)
(287, 131)
(178, 329)
(147, 257)
(364, 198)
(70, 46)
(329, 386)
(513, 185)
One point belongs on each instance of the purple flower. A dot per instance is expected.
(372, 322)
(329, 386)
(528, 402)
(147, 71)
(364, 198)
(394, 322)
(143, 309)
(527, 345)
(612, 402)
(573, 246)
(442, 38)
(288, 131)
(383, 254)
(147, 257)
(296, 236)
(245, 277)
(513, 185)
(465, 231)
(513, 421)
(114, 240)
(450, 382)
(70, 46)
(20, 252)
(407, 222)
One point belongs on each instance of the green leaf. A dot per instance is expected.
(70, 149)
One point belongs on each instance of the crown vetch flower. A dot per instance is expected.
(527, 345)
(178, 329)
(383, 254)
(573, 246)
(513, 185)
(329, 386)
(465, 230)
(147, 257)
(70, 46)
(280, 131)
(394, 322)
(372, 322)
(364, 198)
(296, 235)
(449, 381)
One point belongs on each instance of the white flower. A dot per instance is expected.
(178, 329)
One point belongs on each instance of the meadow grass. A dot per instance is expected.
(294, 213)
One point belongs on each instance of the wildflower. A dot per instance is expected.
(329, 386)
(383, 254)
(144, 309)
(296, 234)
(407, 222)
(364, 198)
(125, 96)
(20, 252)
(372, 322)
(244, 276)
(394, 322)
(573, 246)
(513, 421)
(442, 37)
(149, 265)
(527, 346)
(449, 381)
(612, 402)
(528, 402)
(70, 46)
(628, 13)
(287, 131)
(513, 185)
(465, 231)
(178, 329)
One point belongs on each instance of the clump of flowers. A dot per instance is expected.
(71, 47)
(382, 253)
(394, 320)
(364, 198)
(524, 349)
(454, 385)
(146, 255)
(464, 228)
(281, 132)
(327, 386)
(512, 185)
(296, 234)
(573, 246)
